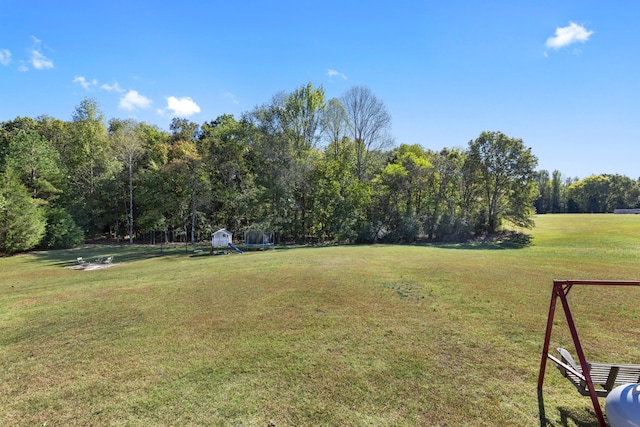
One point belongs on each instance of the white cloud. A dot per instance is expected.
(5, 57)
(183, 107)
(231, 97)
(112, 88)
(84, 83)
(23, 67)
(565, 36)
(38, 60)
(334, 73)
(133, 100)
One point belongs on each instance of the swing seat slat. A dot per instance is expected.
(606, 376)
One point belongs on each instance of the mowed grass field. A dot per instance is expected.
(380, 335)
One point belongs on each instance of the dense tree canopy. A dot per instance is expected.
(307, 168)
(594, 194)
(505, 169)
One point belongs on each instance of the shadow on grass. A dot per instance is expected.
(120, 253)
(502, 240)
(510, 240)
(123, 253)
(579, 417)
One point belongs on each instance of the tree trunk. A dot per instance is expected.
(131, 202)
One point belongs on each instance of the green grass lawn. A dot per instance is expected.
(444, 335)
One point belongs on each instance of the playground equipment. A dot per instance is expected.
(223, 238)
(220, 239)
(257, 238)
(235, 248)
(585, 376)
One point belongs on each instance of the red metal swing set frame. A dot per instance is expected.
(561, 289)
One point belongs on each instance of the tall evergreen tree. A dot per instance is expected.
(22, 220)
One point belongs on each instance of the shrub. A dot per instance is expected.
(61, 232)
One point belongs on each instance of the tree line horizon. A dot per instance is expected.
(307, 168)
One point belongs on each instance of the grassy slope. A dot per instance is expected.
(361, 335)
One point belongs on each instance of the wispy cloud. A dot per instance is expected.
(334, 73)
(231, 97)
(133, 100)
(183, 107)
(38, 60)
(86, 84)
(565, 36)
(5, 57)
(112, 88)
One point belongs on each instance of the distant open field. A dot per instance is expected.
(380, 335)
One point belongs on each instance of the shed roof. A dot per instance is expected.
(221, 231)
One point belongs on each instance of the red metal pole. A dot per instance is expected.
(583, 361)
(547, 336)
(600, 282)
(561, 289)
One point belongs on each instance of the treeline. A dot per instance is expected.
(593, 194)
(306, 168)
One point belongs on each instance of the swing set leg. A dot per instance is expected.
(561, 289)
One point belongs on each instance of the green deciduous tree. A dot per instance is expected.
(183, 130)
(282, 138)
(225, 149)
(447, 197)
(505, 170)
(590, 194)
(170, 192)
(603, 193)
(87, 160)
(302, 114)
(338, 198)
(127, 144)
(401, 187)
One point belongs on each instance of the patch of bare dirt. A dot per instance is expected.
(90, 267)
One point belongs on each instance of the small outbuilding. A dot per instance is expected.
(222, 237)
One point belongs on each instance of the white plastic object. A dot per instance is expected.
(622, 406)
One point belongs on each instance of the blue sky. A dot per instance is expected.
(560, 75)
